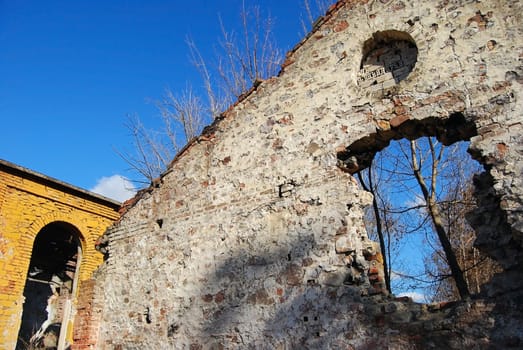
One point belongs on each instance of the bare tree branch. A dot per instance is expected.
(238, 64)
(435, 215)
(437, 179)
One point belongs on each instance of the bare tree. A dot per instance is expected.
(477, 267)
(422, 185)
(248, 57)
(182, 118)
(311, 11)
(241, 61)
(429, 193)
(369, 184)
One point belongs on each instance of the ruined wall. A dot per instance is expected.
(28, 202)
(254, 237)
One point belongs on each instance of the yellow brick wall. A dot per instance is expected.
(26, 206)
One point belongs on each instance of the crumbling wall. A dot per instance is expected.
(254, 237)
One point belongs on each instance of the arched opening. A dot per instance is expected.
(49, 287)
(421, 177)
(388, 58)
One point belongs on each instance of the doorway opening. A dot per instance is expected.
(50, 286)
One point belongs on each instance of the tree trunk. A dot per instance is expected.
(430, 199)
(456, 271)
(379, 227)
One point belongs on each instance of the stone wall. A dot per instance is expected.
(254, 236)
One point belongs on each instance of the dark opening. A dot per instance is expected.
(49, 284)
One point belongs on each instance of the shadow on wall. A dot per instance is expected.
(298, 298)
(285, 295)
(269, 302)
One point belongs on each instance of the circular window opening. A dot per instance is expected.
(388, 58)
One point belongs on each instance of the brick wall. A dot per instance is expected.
(88, 317)
(28, 202)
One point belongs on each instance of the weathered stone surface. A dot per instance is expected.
(345, 244)
(263, 195)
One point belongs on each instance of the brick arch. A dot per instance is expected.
(86, 234)
(56, 216)
(28, 237)
(387, 58)
(88, 262)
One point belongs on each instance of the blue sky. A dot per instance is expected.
(72, 71)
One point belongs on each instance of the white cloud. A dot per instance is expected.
(415, 296)
(394, 276)
(116, 187)
(417, 202)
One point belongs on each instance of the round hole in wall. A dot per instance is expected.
(388, 58)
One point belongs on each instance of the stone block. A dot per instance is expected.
(344, 244)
